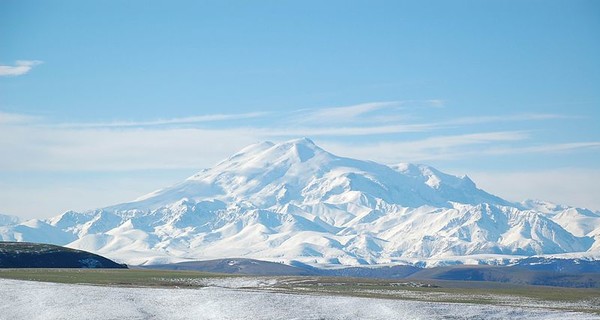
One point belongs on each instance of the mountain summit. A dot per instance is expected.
(294, 201)
(299, 172)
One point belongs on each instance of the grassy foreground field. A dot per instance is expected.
(572, 299)
(110, 277)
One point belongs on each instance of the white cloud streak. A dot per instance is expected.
(165, 122)
(454, 147)
(59, 149)
(505, 118)
(345, 131)
(568, 186)
(545, 148)
(438, 147)
(7, 118)
(342, 114)
(384, 118)
(29, 143)
(21, 67)
(79, 193)
(374, 112)
(162, 144)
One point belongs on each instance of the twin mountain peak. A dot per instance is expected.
(294, 201)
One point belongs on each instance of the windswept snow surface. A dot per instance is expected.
(294, 201)
(37, 300)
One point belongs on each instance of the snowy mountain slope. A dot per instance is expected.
(36, 231)
(294, 201)
(6, 220)
(580, 222)
(542, 206)
(298, 171)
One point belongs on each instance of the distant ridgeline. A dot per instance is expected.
(295, 202)
(38, 255)
(575, 273)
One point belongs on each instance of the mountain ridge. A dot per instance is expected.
(7, 220)
(294, 201)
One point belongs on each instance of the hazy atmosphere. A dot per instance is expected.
(102, 102)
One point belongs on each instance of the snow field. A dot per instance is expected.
(37, 300)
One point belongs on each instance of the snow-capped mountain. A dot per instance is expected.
(294, 201)
(7, 220)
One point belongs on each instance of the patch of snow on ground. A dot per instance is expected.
(37, 300)
(233, 282)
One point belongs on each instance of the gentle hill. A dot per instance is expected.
(266, 268)
(38, 255)
(510, 274)
(235, 266)
(379, 272)
(575, 273)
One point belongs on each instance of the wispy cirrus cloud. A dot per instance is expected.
(384, 132)
(200, 141)
(568, 186)
(382, 111)
(506, 118)
(456, 147)
(21, 67)
(389, 117)
(166, 122)
(437, 147)
(42, 148)
(344, 113)
(7, 118)
(545, 148)
(342, 131)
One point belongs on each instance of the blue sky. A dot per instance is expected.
(102, 101)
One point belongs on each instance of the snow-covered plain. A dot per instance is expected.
(38, 300)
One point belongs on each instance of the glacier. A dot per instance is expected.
(294, 201)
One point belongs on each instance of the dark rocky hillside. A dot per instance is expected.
(266, 268)
(521, 274)
(38, 255)
(236, 266)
